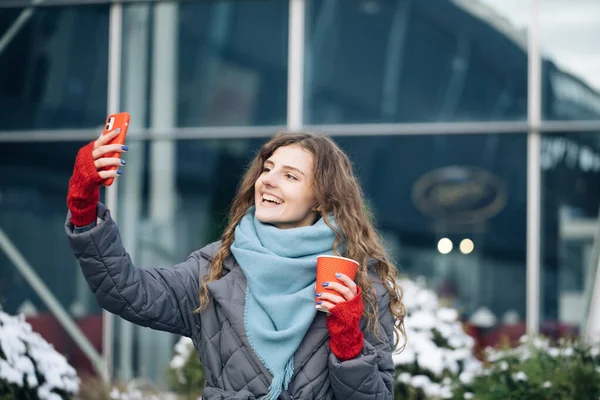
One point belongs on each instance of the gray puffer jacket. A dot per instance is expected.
(165, 299)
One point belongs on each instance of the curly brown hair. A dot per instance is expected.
(337, 192)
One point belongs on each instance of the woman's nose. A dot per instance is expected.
(269, 179)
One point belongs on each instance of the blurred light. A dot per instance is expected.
(466, 246)
(445, 246)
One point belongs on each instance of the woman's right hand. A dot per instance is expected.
(89, 174)
(100, 149)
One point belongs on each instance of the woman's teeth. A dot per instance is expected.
(272, 199)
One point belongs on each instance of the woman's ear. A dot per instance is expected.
(317, 208)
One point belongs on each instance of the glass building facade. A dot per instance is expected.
(474, 127)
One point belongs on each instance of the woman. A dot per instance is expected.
(248, 301)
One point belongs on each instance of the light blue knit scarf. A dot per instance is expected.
(280, 267)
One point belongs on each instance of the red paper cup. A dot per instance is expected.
(328, 266)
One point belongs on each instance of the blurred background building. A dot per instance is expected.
(474, 126)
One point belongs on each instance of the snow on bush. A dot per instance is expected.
(29, 366)
(140, 391)
(185, 373)
(537, 369)
(438, 350)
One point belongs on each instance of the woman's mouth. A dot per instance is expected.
(270, 200)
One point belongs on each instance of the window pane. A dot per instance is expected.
(453, 210)
(466, 188)
(34, 179)
(569, 35)
(206, 63)
(571, 196)
(413, 61)
(49, 76)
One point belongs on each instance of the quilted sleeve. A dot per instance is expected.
(159, 298)
(371, 374)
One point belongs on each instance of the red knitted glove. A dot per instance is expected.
(84, 188)
(346, 339)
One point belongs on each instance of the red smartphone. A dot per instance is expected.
(115, 121)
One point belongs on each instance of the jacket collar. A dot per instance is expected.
(210, 251)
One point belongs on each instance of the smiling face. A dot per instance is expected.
(283, 193)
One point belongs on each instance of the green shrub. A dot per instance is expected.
(536, 370)
(185, 373)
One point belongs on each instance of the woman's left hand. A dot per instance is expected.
(344, 311)
(346, 290)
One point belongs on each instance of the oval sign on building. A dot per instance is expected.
(460, 194)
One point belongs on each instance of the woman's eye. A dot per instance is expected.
(266, 169)
(290, 176)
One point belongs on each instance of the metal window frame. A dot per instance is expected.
(295, 89)
(115, 32)
(373, 129)
(534, 187)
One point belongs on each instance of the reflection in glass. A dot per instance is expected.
(569, 48)
(453, 210)
(569, 35)
(210, 63)
(570, 215)
(412, 61)
(49, 78)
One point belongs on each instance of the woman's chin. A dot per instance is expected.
(276, 221)
(266, 217)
